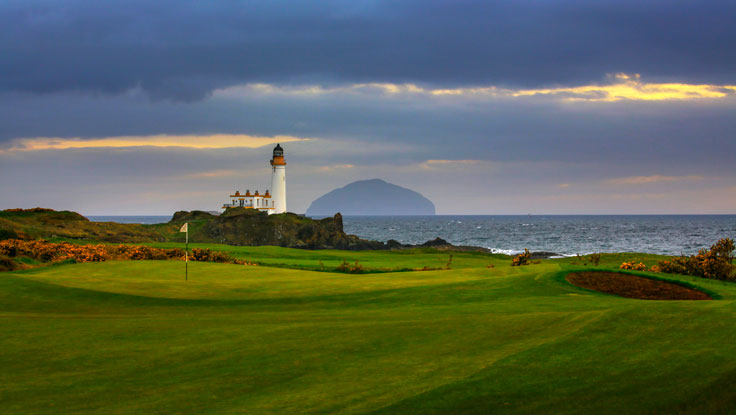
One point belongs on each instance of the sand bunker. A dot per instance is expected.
(632, 286)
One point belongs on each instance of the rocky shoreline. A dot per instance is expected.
(236, 226)
(249, 227)
(442, 245)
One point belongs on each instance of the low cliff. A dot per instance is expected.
(240, 226)
(40, 223)
(237, 226)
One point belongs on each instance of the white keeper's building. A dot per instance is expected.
(267, 202)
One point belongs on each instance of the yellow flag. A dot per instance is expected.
(184, 228)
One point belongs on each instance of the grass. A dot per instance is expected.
(133, 337)
(329, 260)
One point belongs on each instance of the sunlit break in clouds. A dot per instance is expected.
(622, 87)
(215, 141)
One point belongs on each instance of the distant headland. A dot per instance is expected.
(371, 197)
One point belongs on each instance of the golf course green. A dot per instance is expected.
(285, 337)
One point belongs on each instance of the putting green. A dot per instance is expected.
(166, 279)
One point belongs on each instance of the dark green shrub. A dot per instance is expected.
(346, 267)
(7, 264)
(8, 234)
(206, 255)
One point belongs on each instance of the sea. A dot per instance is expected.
(565, 235)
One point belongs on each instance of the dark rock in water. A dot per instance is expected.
(371, 197)
(543, 255)
(436, 242)
(461, 248)
(394, 244)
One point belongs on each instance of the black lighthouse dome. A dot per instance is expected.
(278, 151)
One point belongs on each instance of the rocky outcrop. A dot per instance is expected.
(249, 227)
(184, 216)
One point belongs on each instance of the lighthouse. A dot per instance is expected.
(274, 202)
(278, 180)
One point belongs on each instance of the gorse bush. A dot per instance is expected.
(139, 252)
(205, 255)
(48, 252)
(634, 266)
(715, 263)
(523, 258)
(56, 252)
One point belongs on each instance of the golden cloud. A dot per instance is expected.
(619, 87)
(432, 164)
(657, 178)
(630, 87)
(211, 174)
(215, 141)
(336, 166)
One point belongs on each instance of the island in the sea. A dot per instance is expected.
(371, 197)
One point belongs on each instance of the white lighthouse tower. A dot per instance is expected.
(278, 180)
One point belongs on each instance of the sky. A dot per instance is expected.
(541, 107)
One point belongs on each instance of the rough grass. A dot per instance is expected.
(133, 337)
(71, 226)
(330, 260)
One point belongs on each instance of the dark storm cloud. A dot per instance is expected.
(185, 49)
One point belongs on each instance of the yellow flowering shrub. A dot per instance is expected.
(523, 258)
(64, 251)
(633, 266)
(714, 263)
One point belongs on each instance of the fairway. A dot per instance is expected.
(133, 337)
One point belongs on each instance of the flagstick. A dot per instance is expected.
(186, 258)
